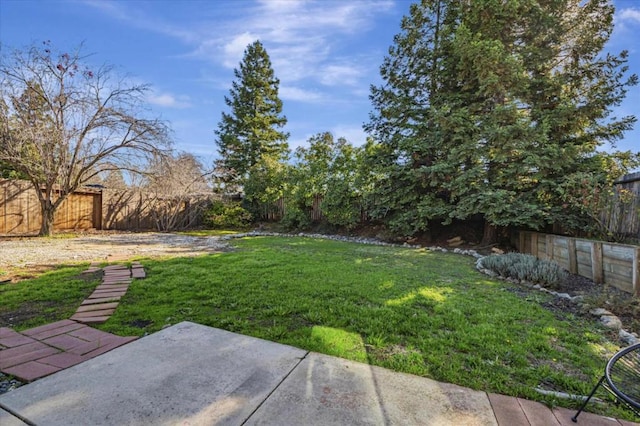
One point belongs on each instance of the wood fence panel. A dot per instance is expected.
(604, 263)
(596, 262)
(573, 258)
(623, 217)
(139, 210)
(542, 247)
(20, 209)
(561, 252)
(534, 243)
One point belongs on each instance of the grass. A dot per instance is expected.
(415, 311)
(52, 296)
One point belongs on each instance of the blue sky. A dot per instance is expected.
(326, 53)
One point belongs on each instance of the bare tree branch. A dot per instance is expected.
(62, 123)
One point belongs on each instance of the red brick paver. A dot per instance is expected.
(40, 351)
(31, 370)
(44, 350)
(102, 303)
(511, 411)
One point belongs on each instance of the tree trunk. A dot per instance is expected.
(48, 210)
(490, 235)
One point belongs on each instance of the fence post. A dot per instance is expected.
(596, 262)
(635, 272)
(521, 239)
(573, 256)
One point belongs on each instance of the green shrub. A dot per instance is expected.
(227, 215)
(295, 219)
(525, 267)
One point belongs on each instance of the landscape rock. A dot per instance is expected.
(611, 321)
(599, 312)
(628, 338)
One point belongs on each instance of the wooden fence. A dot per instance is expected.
(277, 210)
(139, 210)
(622, 218)
(20, 209)
(98, 209)
(605, 263)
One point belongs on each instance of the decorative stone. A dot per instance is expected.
(628, 338)
(611, 321)
(600, 312)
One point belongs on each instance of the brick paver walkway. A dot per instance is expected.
(40, 351)
(102, 303)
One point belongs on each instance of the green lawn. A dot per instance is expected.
(52, 296)
(425, 313)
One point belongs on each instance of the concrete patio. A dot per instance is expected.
(190, 374)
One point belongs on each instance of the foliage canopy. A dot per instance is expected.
(489, 108)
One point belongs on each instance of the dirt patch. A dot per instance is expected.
(620, 303)
(32, 252)
(140, 323)
(26, 312)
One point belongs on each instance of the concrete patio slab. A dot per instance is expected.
(6, 419)
(333, 391)
(191, 374)
(185, 374)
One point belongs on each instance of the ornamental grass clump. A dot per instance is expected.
(525, 267)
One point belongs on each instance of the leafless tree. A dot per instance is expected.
(179, 190)
(63, 122)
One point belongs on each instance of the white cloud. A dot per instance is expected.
(281, 5)
(302, 38)
(139, 18)
(335, 75)
(168, 100)
(630, 15)
(354, 135)
(234, 49)
(301, 95)
(300, 35)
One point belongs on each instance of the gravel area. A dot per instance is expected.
(31, 251)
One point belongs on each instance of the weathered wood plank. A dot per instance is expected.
(596, 262)
(573, 259)
(635, 280)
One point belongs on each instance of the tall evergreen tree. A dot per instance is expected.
(490, 107)
(251, 130)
